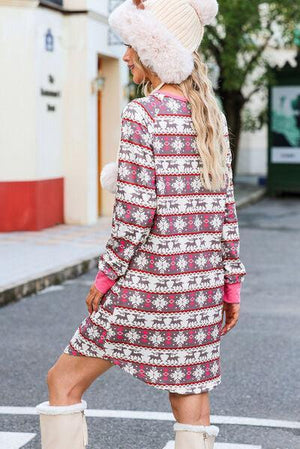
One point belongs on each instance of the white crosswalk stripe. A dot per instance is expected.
(165, 416)
(15, 440)
(170, 445)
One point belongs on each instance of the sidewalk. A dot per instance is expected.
(33, 260)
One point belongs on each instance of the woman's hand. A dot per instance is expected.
(231, 312)
(93, 299)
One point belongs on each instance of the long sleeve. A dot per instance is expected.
(135, 199)
(232, 293)
(234, 269)
(102, 282)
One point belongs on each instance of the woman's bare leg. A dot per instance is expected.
(191, 408)
(70, 377)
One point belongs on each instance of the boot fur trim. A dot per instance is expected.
(210, 430)
(46, 409)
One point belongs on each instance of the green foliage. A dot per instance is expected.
(245, 29)
(253, 122)
(237, 44)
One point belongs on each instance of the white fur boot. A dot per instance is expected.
(63, 427)
(190, 436)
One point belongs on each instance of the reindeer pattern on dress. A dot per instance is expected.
(172, 247)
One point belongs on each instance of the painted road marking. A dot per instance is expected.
(164, 416)
(170, 445)
(15, 440)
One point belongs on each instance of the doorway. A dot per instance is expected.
(109, 106)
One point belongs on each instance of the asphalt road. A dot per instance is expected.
(260, 363)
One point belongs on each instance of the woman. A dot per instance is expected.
(171, 270)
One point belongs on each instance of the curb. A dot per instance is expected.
(15, 292)
(251, 198)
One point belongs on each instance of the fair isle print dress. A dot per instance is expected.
(173, 244)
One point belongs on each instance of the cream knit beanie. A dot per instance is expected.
(165, 33)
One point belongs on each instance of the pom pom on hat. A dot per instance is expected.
(206, 10)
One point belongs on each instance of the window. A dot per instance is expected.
(56, 2)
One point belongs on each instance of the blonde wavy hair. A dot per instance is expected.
(208, 121)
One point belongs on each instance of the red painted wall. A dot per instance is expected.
(31, 205)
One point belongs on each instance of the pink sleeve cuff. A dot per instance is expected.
(103, 282)
(232, 292)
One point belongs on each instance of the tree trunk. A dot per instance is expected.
(233, 103)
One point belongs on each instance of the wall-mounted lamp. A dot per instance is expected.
(98, 83)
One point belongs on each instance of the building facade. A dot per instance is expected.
(63, 87)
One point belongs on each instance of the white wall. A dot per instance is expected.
(40, 144)
(101, 7)
(18, 142)
(87, 38)
(253, 154)
(75, 138)
(50, 67)
(31, 137)
(98, 6)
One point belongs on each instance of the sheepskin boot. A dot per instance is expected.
(190, 436)
(64, 426)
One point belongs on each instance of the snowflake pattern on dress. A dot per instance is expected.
(173, 245)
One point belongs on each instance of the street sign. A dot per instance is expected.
(285, 125)
(284, 130)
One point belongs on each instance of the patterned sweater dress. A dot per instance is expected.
(173, 246)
